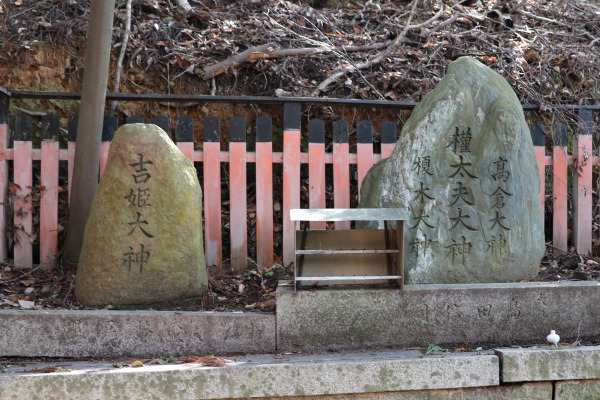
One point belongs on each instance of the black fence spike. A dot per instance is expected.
(264, 129)
(50, 127)
(185, 129)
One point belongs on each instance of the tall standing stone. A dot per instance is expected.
(465, 168)
(143, 239)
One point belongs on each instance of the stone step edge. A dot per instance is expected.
(549, 363)
(109, 334)
(262, 376)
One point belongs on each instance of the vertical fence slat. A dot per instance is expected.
(264, 191)
(341, 170)
(291, 176)
(559, 188)
(388, 138)
(212, 190)
(582, 185)
(49, 190)
(164, 123)
(4, 109)
(316, 168)
(72, 137)
(185, 136)
(109, 127)
(538, 135)
(23, 154)
(237, 193)
(364, 150)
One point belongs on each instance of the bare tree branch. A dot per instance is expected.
(380, 57)
(217, 69)
(126, 32)
(430, 20)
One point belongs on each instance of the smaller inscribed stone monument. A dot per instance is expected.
(143, 239)
(465, 168)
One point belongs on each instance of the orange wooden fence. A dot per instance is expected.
(237, 161)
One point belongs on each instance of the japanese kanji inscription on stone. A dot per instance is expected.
(465, 168)
(143, 240)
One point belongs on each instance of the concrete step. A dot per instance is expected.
(257, 376)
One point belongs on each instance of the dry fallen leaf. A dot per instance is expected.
(45, 370)
(13, 187)
(137, 364)
(26, 304)
(209, 361)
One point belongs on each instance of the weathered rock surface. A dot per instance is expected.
(465, 168)
(143, 240)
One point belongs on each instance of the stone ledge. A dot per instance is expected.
(469, 315)
(529, 365)
(105, 334)
(259, 376)
(529, 391)
(576, 390)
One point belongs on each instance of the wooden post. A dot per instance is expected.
(4, 110)
(582, 184)
(49, 191)
(316, 168)
(291, 176)
(400, 255)
(559, 189)
(212, 190)
(264, 191)
(72, 137)
(341, 170)
(109, 127)
(538, 135)
(388, 138)
(238, 198)
(364, 150)
(22, 172)
(93, 96)
(185, 136)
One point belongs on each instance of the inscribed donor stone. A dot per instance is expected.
(465, 168)
(143, 240)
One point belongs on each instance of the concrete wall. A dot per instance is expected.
(133, 333)
(466, 315)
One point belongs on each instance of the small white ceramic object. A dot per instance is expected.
(553, 338)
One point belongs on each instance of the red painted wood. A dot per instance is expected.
(291, 190)
(212, 203)
(3, 189)
(364, 153)
(104, 148)
(316, 180)
(386, 149)
(559, 190)
(70, 164)
(341, 180)
(582, 194)
(49, 203)
(264, 203)
(238, 205)
(23, 209)
(540, 153)
(187, 148)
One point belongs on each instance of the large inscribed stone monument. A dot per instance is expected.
(143, 239)
(465, 168)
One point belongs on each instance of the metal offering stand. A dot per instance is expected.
(355, 256)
